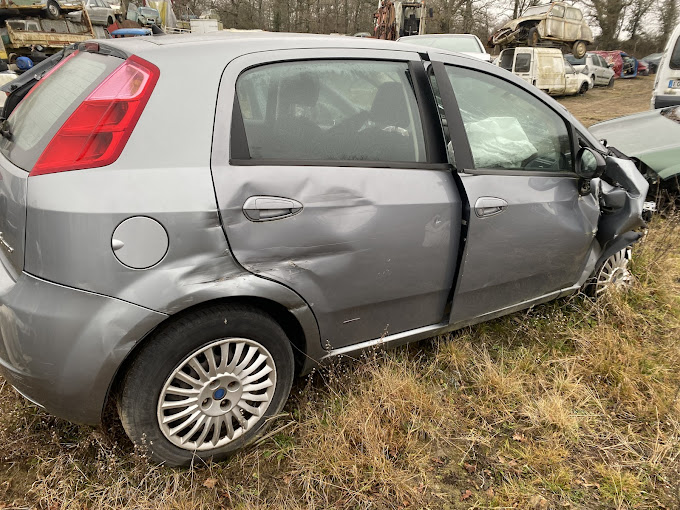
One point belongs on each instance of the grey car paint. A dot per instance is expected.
(396, 242)
(166, 173)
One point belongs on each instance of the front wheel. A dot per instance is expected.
(611, 83)
(206, 385)
(52, 10)
(613, 274)
(579, 49)
(583, 89)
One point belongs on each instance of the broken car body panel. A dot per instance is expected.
(652, 138)
(556, 21)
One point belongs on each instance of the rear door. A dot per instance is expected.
(331, 178)
(529, 231)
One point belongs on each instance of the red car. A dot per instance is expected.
(624, 65)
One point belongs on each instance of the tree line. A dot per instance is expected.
(637, 26)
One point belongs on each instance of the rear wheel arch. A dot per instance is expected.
(276, 311)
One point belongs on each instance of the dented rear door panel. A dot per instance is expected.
(372, 250)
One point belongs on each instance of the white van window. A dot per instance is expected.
(523, 63)
(674, 61)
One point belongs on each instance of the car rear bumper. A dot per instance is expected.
(663, 101)
(61, 347)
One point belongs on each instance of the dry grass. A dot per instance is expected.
(600, 104)
(573, 404)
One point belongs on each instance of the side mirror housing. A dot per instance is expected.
(589, 163)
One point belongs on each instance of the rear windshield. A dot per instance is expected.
(38, 117)
(453, 43)
(674, 61)
(575, 61)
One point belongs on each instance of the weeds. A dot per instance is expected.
(573, 404)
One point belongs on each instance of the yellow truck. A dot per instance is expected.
(20, 34)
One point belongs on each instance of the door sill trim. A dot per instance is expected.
(414, 335)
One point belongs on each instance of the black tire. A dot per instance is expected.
(579, 49)
(610, 85)
(52, 10)
(109, 21)
(167, 350)
(534, 37)
(583, 89)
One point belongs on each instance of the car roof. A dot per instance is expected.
(439, 36)
(228, 44)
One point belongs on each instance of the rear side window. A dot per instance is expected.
(331, 111)
(38, 117)
(674, 61)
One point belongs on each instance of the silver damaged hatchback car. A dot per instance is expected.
(184, 246)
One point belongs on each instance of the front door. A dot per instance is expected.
(336, 185)
(529, 230)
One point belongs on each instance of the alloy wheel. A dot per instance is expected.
(614, 273)
(216, 394)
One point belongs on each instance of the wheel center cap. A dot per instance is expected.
(219, 393)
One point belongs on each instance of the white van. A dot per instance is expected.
(667, 84)
(546, 69)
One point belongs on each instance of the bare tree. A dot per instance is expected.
(609, 15)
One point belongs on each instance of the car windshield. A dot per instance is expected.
(536, 10)
(452, 43)
(147, 11)
(575, 61)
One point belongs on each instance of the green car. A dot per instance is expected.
(652, 139)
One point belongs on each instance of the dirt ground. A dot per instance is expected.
(600, 104)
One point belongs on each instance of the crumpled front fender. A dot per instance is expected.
(625, 215)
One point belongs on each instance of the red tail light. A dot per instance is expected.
(96, 133)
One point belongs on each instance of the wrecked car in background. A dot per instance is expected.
(328, 198)
(556, 23)
(652, 139)
(623, 65)
(594, 66)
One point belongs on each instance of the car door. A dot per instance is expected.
(530, 229)
(555, 22)
(331, 178)
(572, 23)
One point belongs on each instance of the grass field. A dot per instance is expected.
(573, 404)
